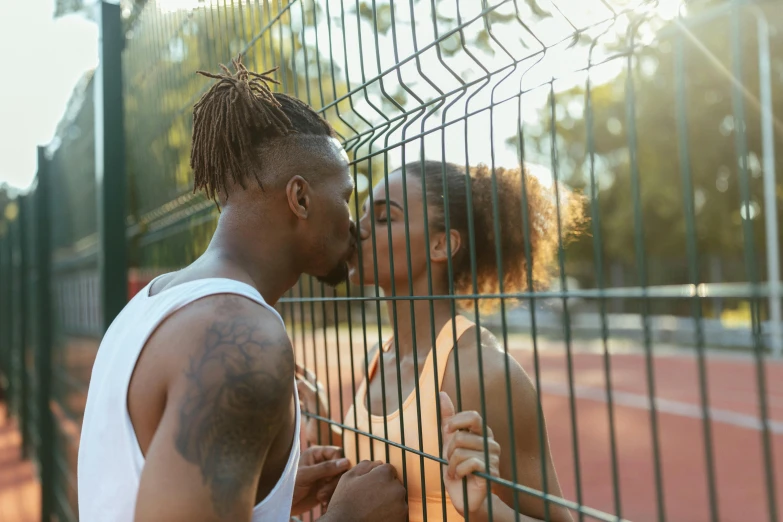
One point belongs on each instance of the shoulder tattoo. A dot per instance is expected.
(239, 387)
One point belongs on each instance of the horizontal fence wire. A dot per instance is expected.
(594, 513)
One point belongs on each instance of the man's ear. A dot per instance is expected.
(439, 248)
(297, 192)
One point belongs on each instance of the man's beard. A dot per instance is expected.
(337, 275)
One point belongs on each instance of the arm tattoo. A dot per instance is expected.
(239, 388)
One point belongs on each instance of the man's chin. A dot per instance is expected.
(336, 277)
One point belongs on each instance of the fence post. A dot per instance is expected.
(110, 165)
(22, 275)
(5, 330)
(11, 313)
(43, 356)
(770, 196)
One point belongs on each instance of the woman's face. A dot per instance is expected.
(384, 216)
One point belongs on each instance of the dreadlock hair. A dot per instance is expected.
(235, 118)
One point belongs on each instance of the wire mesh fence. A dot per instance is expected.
(646, 336)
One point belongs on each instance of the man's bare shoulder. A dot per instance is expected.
(215, 339)
(231, 381)
(221, 317)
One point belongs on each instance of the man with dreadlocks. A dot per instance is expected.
(192, 412)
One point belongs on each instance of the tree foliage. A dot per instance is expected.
(641, 105)
(337, 56)
(352, 60)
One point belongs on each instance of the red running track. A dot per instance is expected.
(733, 395)
(738, 459)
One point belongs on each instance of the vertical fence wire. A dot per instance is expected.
(564, 289)
(738, 105)
(527, 227)
(641, 263)
(681, 111)
(598, 259)
(5, 314)
(24, 339)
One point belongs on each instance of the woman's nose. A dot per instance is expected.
(353, 230)
(364, 228)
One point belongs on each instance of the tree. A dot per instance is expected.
(714, 163)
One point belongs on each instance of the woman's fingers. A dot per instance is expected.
(465, 445)
(307, 394)
(303, 385)
(463, 462)
(467, 420)
(471, 441)
(310, 394)
(301, 370)
(306, 375)
(308, 379)
(461, 456)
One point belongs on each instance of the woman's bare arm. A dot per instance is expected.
(526, 449)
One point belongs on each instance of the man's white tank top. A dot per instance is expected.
(110, 460)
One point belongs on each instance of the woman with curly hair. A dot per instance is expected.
(432, 361)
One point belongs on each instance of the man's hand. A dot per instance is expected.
(320, 469)
(369, 492)
(463, 447)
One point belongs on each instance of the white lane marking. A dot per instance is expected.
(683, 409)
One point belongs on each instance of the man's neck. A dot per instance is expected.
(255, 252)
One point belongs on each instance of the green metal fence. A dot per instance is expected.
(665, 120)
